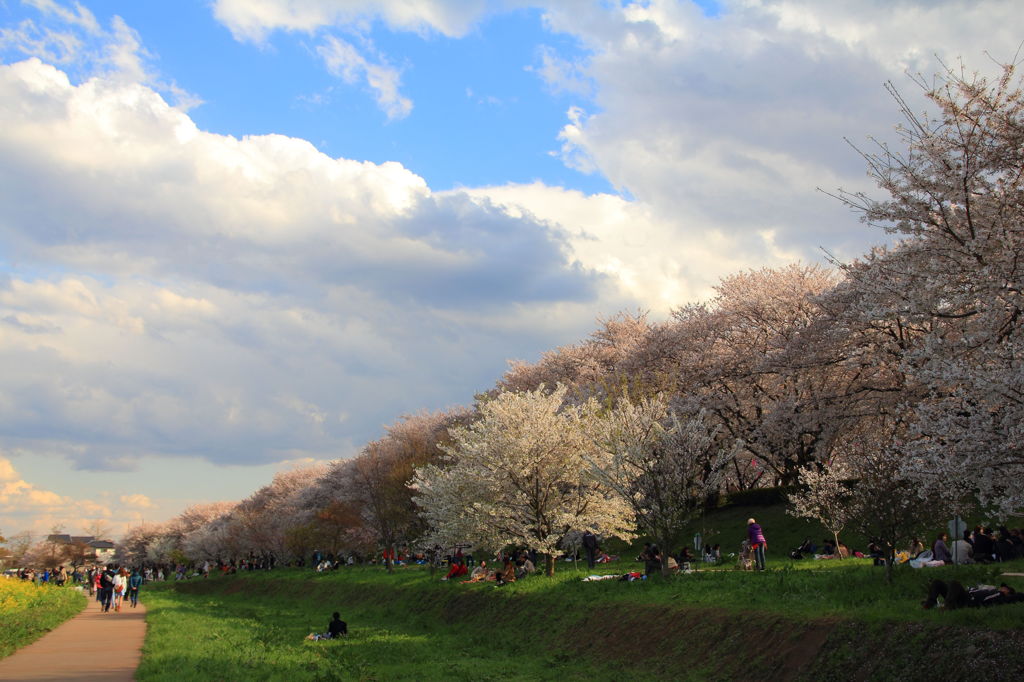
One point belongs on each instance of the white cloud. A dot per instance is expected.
(136, 501)
(254, 19)
(79, 16)
(21, 500)
(72, 37)
(720, 129)
(344, 61)
(248, 300)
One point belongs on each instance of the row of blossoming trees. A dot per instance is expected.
(888, 389)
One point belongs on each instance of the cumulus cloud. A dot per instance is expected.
(20, 496)
(728, 124)
(242, 300)
(27, 507)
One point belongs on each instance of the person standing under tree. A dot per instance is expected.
(590, 547)
(758, 544)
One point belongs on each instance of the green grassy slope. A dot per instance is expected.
(798, 620)
(408, 626)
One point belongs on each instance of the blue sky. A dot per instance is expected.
(239, 236)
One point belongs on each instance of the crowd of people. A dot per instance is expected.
(115, 586)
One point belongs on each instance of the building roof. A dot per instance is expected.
(59, 537)
(101, 544)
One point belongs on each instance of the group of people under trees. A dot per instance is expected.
(980, 546)
(513, 566)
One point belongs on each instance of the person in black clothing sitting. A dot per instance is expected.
(337, 627)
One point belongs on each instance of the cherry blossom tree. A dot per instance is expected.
(955, 201)
(734, 362)
(890, 506)
(591, 368)
(826, 496)
(661, 466)
(519, 475)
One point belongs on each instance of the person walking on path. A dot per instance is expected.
(120, 587)
(757, 542)
(90, 646)
(134, 583)
(107, 587)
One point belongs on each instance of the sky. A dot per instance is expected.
(240, 236)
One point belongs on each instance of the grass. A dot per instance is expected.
(798, 620)
(28, 611)
(407, 626)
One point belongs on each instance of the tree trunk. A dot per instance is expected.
(549, 564)
(836, 536)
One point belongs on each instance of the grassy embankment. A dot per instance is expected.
(28, 611)
(798, 620)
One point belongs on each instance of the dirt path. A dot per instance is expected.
(91, 646)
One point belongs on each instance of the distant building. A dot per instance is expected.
(104, 550)
(100, 550)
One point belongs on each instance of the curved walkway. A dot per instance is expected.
(91, 646)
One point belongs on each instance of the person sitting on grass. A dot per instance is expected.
(524, 566)
(962, 550)
(480, 573)
(336, 629)
(940, 551)
(957, 597)
(506, 575)
(458, 569)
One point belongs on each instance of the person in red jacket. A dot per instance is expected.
(458, 569)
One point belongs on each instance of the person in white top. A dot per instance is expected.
(120, 587)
